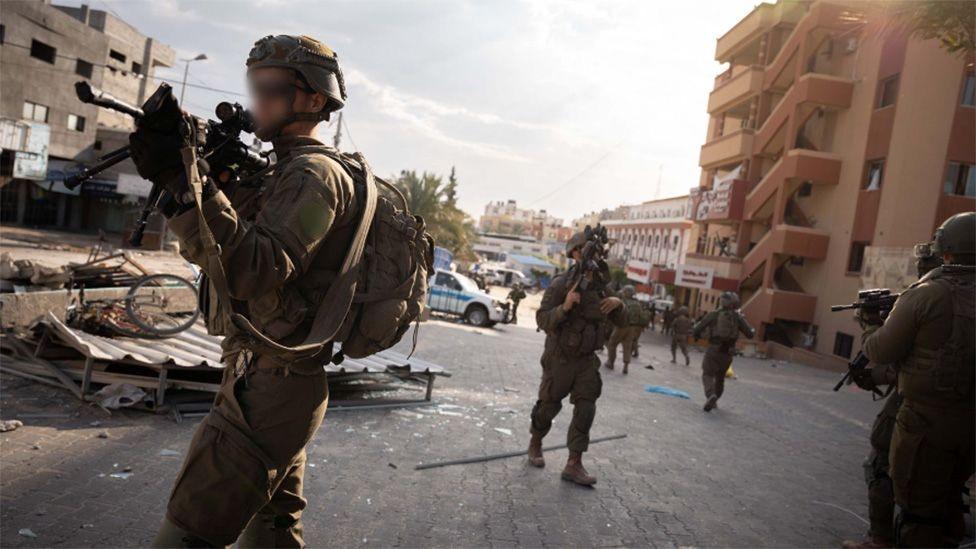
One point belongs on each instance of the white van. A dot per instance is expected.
(503, 276)
(456, 294)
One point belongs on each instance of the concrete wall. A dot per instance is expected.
(26, 78)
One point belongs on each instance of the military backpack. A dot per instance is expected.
(726, 325)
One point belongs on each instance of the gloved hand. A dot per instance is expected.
(864, 379)
(156, 144)
(869, 319)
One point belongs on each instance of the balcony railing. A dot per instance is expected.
(796, 165)
(726, 149)
(725, 267)
(736, 89)
(768, 305)
(788, 240)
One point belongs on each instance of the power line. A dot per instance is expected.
(577, 176)
(345, 124)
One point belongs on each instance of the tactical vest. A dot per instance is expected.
(635, 313)
(726, 326)
(581, 334)
(945, 375)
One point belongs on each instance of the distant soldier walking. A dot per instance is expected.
(572, 318)
(516, 296)
(724, 327)
(680, 330)
(627, 334)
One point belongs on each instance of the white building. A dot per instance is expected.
(650, 241)
(496, 247)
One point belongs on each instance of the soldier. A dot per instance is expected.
(627, 333)
(516, 296)
(572, 318)
(881, 494)
(929, 339)
(667, 319)
(680, 328)
(725, 326)
(241, 479)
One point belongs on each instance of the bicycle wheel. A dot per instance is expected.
(162, 305)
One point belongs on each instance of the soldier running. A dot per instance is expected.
(724, 327)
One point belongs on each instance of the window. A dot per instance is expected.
(843, 344)
(83, 68)
(42, 51)
(136, 68)
(875, 174)
(35, 112)
(960, 179)
(856, 259)
(806, 189)
(118, 56)
(888, 92)
(968, 89)
(76, 123)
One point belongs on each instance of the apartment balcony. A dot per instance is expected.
(726, 149)
(740, 41)
(724, 203)
(736, 89)
(829, 92)
(722, 266)
(788, 240)
(768, 305)
(796, 166)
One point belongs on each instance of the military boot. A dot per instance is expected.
(711, 403)
(672, 359)
(574, 471)
(687, 361)
(869, 542)
(626, 365)
(535, 452)
(608, 365)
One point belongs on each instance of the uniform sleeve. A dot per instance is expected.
(892, 341)
(281, 242)
(745, 328)
(551, 312)
(703, 324)
(618, 316)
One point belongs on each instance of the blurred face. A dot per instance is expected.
(276, 93)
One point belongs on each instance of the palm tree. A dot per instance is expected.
(952, 22)
(428, 197)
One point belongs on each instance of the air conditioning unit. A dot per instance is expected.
(851, 45)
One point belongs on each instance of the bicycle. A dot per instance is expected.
(155, 306)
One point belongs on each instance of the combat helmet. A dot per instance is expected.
(315, 62)
(957, 236)
(628, 290)
(728, 300)
(578, 240)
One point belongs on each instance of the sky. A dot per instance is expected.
(568, 106)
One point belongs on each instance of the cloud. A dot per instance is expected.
(424, 115)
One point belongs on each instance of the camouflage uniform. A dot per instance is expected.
(932, 448)
(281, 245)
(680, 330)
(516, 296)
(569, 363)
(718, 356)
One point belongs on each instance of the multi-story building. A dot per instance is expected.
(650, 240)
(47, 133)
(835, 142)
(505, 217)
(496, 247)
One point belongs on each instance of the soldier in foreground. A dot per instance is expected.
(881, 493)
(680, 330)
(628, 333)
(516, 296)
(930, 338)
(573, 321)
(724, 327)
(242, 476)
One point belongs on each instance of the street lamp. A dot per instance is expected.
(186, 71)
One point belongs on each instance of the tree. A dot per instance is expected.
(429, 197)
(951, 22)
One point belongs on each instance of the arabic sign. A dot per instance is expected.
(32, 162)
(725, 200)
(639, 271)
(693, 276)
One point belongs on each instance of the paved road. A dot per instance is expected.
(778, 464)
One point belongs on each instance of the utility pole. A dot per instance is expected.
(186, 72)
(338, 134)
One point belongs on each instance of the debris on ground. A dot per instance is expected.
(503, 430)
(168, 452)
(10, 425)
(119, 395)
(103, 434)
(662, 390)
(27, 533)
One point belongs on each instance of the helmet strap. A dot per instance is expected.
(292, 116)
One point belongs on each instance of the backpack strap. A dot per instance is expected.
(338, 299)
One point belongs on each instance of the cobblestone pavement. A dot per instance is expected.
(778, 464)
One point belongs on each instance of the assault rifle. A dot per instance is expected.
(877, 300)
(593, 259)
(222, 143)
